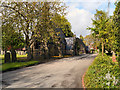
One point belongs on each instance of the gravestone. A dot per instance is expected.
(7, 57)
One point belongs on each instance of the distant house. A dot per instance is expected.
(70, 44)
(80, 47)
(75, 46)
(54, 48)
(87, 49)
(63, 46)
(59, 46)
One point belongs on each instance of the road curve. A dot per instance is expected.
(61, 73)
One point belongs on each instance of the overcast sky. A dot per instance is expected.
(80, 13)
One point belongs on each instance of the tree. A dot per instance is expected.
(33, 19)
(88, 39)
(11, 40)
(110, 35)
(10, 37)
(61, 22)
(46, 26)
(18, 13)
(116, 22)
(99, 29)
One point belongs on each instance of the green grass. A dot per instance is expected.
(21, 55)
(1, 61)
(15, 65)
(1, 56)
(8, 66)
(18, 56)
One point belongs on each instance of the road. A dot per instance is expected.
(61, 73)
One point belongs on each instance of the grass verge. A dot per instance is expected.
(12, 66)
(4, 67)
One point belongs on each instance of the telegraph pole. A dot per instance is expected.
(108, 7)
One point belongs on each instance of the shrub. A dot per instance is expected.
(103, 73)
(118, 59)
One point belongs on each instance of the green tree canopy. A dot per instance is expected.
(32, 19)
(99, 27)
(61, 22)
(116, 21)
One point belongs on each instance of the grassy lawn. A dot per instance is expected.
(8, 66)
(1, 56)
(21, 55)
(15, 65)
(18, 56)
(1, 61)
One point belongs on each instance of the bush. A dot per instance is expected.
(118, 59)
(103, 73)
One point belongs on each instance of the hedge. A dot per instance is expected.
(103, 73)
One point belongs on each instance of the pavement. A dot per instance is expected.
(61, 73)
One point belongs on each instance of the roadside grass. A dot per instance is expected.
(103, 73)
(16, 65)
(21, 62)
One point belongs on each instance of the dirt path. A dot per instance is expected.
(62, 73)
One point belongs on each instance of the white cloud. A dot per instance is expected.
(79, 19)
(82, 11)
(80, 16)
(111, 11)
(91, 5)
(88, 0)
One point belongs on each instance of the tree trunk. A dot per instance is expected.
(59, 49)
(60, 52)
(46, 50)
(102, 48)
(13, 53)
(118, 55)
(29, 53)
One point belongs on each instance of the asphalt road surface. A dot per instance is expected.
(61, 73)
